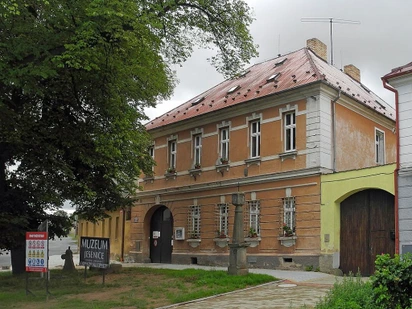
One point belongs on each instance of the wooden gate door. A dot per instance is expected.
(161, 232)
(367, 229)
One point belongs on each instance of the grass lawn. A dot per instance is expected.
(130, 288)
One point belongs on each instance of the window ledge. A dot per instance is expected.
(288, 154)
(221, 168)
(171, 175)
(221, 242)
(148, 178)
(252, 161)
(253, 241)
(287, 241)
(195, 172)
(194, 242)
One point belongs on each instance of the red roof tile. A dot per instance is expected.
(296, 69)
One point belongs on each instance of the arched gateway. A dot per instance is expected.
(367, 230)
(161, 236)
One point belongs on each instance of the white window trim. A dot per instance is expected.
(292, 128)
(194, 221)
(379, 155)
(223, 209)
(255, 213)
(197, 148)
(172, 154)
(222, 142)
(289, 207)
(255, 135)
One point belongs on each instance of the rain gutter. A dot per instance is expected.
(396, 172)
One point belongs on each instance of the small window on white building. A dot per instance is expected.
(290, 131)
(194, 222)
(379, 146)
(223, 224)
(254, 139)
(289, 223)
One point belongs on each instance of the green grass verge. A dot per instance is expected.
(132, 287)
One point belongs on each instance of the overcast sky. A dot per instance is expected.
(381, 42)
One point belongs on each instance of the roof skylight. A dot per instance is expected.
(197, 101)
(272, 77)
(280, 62)
(233, 89)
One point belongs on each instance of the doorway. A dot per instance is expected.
(367, 230)
(161, 236)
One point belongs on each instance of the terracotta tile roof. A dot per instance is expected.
(402, 70)
(293, 70)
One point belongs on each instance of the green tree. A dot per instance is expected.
(75, 76)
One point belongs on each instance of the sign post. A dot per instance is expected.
(95, 252)
(36, 254)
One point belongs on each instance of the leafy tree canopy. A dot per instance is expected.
(75, 76)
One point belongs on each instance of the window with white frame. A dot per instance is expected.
(379, 146)
(254, 218)
(289, 223)
(194, 222)
(151, 154)
(197, 149)
(172, 154)
(255, 138)
(223, 224)
(224, 144)
(290, 131)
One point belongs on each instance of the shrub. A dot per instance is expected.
(351, 293)
(392, 282)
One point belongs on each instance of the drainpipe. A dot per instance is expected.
(386, 86)
(334, 131)
(123, 228)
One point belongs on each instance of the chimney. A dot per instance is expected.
(352, 71)
(318, 47)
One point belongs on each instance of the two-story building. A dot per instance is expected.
(271, 132)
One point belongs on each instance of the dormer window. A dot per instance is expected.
(197, 101)
(272, 77)
(233, 89)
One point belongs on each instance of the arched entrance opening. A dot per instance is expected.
(161, 236)
(367, 221)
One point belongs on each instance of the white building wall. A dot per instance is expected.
(319, 131)
(403, 85)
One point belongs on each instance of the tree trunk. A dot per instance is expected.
(18, 259)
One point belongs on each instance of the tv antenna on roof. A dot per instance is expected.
(331, 21)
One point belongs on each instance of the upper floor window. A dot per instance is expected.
(223, 224)
(224, 144)
(197, 149)
(379, 147)
(194, 221)
(255, 139)
(290, 131)
(151, 154)
(172, 154)
(289, 223)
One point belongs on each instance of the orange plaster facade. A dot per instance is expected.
(271, 178)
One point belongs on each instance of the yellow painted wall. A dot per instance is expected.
(111, 228)
(337, 187)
